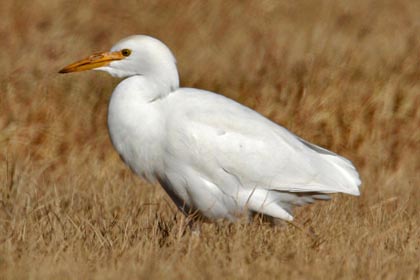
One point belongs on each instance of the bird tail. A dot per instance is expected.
(347, 178)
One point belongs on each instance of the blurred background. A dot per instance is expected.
(342, 74)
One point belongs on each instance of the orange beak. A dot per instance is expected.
(94, 61)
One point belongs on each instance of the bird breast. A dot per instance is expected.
(136, 127)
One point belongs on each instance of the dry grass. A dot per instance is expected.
(343, 74)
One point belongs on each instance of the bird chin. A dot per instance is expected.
(113, 71)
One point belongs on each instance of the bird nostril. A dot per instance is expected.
(95, 57)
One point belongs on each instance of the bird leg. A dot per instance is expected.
(192, 220)
(309, 232)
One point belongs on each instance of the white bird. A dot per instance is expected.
(211, 154)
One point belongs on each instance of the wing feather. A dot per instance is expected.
(214, 133)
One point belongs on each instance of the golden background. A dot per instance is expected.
(342, 74)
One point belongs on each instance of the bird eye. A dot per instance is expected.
(125, 52)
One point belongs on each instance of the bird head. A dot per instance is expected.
(135, 55)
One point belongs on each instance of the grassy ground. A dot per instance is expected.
(342, 74)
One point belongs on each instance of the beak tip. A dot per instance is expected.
(63, 71)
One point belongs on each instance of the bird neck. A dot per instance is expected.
(165, 80)
(136, 123)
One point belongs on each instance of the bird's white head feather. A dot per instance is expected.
(150, 58)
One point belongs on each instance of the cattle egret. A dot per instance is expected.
(212, 155)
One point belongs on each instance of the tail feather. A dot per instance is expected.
(279, 204)
(287, 199)
(346, 178)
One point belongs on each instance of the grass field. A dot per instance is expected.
(342, 74)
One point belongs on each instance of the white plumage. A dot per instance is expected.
(210, 154)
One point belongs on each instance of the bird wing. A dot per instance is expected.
(214, 134)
